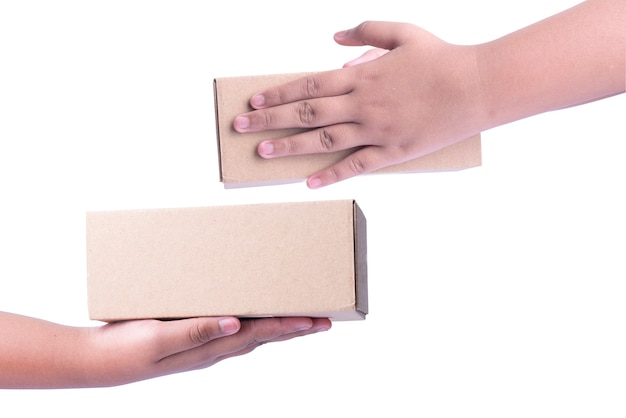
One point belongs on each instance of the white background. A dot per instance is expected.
(494, 292)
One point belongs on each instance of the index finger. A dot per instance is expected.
(316, 85)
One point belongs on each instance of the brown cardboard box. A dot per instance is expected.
(257, 260)
(241, 166)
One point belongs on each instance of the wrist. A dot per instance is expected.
(470, 113)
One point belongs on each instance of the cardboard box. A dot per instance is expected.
(241, 166)
(257, 260)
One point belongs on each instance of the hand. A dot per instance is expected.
(40, 354)
(392, 107)
(367, 56)
(137, 350)
(425, 94)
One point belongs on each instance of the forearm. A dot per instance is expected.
(571, 58)
(40, 354)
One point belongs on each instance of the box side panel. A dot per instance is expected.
(335, 315)
(360, 258)
(217, 128)
(250, 260)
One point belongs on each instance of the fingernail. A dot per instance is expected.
(257, 100)
(228, 325)
(241, 122)
(314, 182)
(341, 34)
(266, 148)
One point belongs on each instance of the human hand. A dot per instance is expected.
(393, 106)
(367, 56)
(39, 354)
(136, 350)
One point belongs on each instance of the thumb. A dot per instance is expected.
(385, 35)
(185, 334)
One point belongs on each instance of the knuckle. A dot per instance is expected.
(306, 113)
(363, 25)
(363, 28)
(266, 119)
(256, 342)
(277, 96)
(198, 334)
(326, 140)
(332, 175)
(290, 145)
(356, 165)
(311, 86)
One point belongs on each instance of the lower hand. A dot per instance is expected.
(136, 350)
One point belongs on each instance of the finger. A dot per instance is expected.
(252, 333)
(322, 140)
(385, 35)
(255, 332)
(185, 334)
(370, 55)
(263, 330)
(321, 84)
(364, 160)
(318, 325)
(302, 114)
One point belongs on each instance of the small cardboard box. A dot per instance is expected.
(256, 260)
(241, 166)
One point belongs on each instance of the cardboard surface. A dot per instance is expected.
(257, 260)
(241, 166)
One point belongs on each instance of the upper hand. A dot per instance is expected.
(392, 107)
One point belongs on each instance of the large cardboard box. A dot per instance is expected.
(256, 260)
(241, 166)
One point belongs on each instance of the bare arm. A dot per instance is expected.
(574, 57)
(425, 94)
(41, 354)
